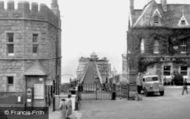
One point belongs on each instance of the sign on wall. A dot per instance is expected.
(39, 91)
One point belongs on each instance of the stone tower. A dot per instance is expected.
(30, 51)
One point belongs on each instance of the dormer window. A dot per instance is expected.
(183, 21)
(156, 19)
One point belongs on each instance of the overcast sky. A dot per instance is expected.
(94, 26)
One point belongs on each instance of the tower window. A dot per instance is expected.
(10, 44)
(35, 38)
(10, 80)
(10, 37)
(35, 43)
(35, 48)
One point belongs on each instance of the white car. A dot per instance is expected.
(187, 79)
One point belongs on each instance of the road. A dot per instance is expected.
(173, 105)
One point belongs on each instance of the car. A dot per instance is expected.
(152, 84)
(187, 79)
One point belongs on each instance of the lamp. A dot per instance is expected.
(41, 79)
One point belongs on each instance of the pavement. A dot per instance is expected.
(56, 114)
(173, 105)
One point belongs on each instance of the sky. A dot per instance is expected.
(93, 26)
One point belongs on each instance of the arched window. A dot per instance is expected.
(142, 46)
(183, 46)
(156, 47)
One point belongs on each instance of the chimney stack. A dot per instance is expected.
(132, 6)
(164, 5)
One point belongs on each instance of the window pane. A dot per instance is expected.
(184, 70)
(10, 80)
(10, 48)
(183, 67)
(166, 70)
(10, 37)
(35, 48)
(35, 37)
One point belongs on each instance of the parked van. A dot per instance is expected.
(152, 84)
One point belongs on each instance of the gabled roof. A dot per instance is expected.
(170, 18)
(157, 12)
(36, 69)
(147, 11)
(183, 18)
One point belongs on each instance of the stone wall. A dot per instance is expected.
(12, 68)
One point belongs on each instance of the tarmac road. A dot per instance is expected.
(173, 105)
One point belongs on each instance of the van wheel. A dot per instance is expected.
(161, 93)
(146, 92)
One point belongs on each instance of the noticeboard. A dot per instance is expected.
(39, 91)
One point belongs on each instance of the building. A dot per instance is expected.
(30, 52)
(96, 66)
(158, 39)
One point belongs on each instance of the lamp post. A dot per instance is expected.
(96, 83)
(114, 84)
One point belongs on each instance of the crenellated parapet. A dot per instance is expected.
(36, 12)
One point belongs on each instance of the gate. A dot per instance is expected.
(105, 92)
(95, 91)
(127, 91)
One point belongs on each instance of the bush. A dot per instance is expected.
(178, 79)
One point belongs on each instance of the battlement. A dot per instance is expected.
(36, 12)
